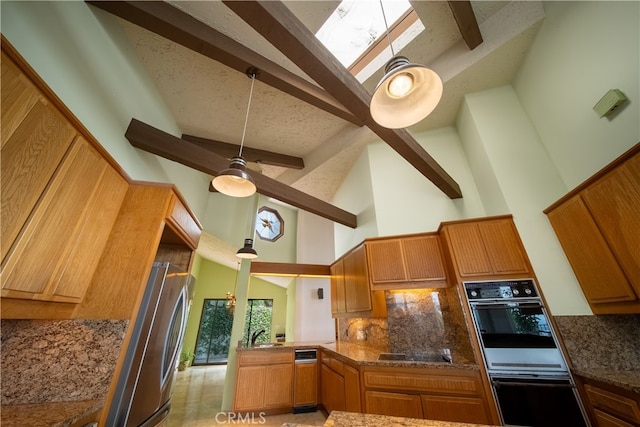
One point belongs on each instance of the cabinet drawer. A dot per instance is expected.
(334, 364)
(424, 383)
(265, 357)
(614, 403)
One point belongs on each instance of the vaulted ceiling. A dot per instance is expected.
(309, 117)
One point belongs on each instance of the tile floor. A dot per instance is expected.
(197, 400)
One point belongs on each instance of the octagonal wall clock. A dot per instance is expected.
(269, 224)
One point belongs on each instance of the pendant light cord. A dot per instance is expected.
(246, 119)
(386, 25)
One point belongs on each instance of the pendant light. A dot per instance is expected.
(235, 181)
(247, 251)
(407, 92)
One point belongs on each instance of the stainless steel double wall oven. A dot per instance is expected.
(528, 371)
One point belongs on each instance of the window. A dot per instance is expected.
(356, 33)
(258, 317)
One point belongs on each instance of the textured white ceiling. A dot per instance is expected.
(209, 99)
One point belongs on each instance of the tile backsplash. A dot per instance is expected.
(418, 321)
(54, 361)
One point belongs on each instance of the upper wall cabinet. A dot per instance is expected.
(598, 226)
(406, 262)
(60, 197)
(485, 248)
(351, 293)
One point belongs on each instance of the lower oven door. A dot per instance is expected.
(538, 401)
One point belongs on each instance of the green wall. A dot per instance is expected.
(214, 281)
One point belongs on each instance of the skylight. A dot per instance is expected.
(356, 26)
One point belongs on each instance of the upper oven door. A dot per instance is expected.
(516, 336)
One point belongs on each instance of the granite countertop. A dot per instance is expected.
(366, 356)
(54, 414)
(625, 379)
(351, 419)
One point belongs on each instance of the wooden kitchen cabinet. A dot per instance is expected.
(485, 248)
(56, 254)
(393, 404)
(35, 138)
(351, 293)
(439, 394)
(406, 262)
(264, 381)
(332, 389)
(305, 388)
(339, 384)
(609, 405)
(598, 225)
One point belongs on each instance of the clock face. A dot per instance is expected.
(269, 224)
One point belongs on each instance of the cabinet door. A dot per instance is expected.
(486, 248)
(306, 384)
(30, 154)
(338, 305)
(333, 397)
(356, 281)
(605, 420)
(588, 253)
(393, 404)
(386, 261)
(352, 389)
(278, 388)
(56, 255)
(451, 408)
(423, 259)
(504, 249)
(469, 254)
(614, 203)
(249, 393)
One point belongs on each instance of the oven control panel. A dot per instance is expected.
(501, 289)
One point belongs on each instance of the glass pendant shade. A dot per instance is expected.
(235, 181)
(247, 251)
(406, 94)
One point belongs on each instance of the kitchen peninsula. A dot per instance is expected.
(350, 419)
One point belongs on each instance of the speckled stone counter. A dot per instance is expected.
(351, 419)
(56, 372)
(58, 414)
(366, 356)
(604, 348)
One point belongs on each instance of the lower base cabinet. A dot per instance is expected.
(437, 394)
(264, 381)
(610, 406)
(339, 385)
(393, 404)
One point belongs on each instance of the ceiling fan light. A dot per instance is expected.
(396, 104)
(235, 181)
(247, 251)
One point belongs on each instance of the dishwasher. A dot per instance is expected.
(305, 389)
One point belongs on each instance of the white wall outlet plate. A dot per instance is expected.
(609, 102)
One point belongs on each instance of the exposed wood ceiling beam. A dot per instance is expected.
(152, 140)
(467, 23)
(288, 269)
(277, 24)
(227, 150)
(180, 27)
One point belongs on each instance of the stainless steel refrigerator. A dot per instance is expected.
(143, 392)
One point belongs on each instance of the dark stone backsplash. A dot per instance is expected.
(609, 341)
(418, 321)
